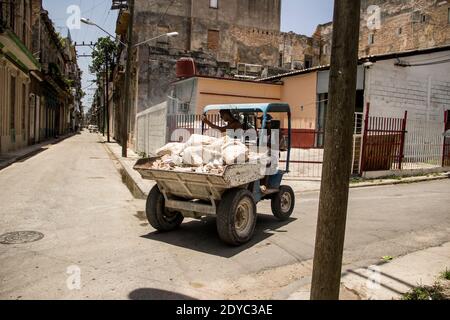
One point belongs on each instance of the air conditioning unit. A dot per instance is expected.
(249, 70)
(184, 107)
(297, 65)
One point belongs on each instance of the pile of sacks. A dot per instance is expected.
(202, 154)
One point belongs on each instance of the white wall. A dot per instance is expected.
(424, 91)
(151, 128)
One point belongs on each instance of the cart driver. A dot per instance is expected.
(273, 160)
(227, 116)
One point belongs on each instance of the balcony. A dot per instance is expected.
(7, 15)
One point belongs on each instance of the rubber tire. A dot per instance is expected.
(225, 217)
(155, 211)
(276, 204)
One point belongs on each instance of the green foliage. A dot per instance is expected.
(435, 292)
(61, 39)
(445, 274)
(104, 50)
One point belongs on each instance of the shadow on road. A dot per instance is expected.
(156, 294)
(202, 236)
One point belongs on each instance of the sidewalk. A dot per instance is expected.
(140, 187)
(8, 159)
(390, 280)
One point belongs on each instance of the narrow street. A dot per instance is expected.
(72, 193)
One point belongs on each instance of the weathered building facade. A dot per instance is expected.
(229, 38)
(17, 65)
(395, 26)
(234, 38)
(39, 77)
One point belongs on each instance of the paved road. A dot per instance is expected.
(73, 194)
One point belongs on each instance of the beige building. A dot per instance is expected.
(39, 77)
(18, 69)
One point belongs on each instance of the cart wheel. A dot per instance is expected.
(283, 203)
(158, 216)
(236, 217)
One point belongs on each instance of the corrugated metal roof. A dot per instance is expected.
(373, 58)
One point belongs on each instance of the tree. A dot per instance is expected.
(338, 152)
(105, 50)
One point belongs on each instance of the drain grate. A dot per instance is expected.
(20, 237)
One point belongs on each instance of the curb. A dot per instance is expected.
(363, 185)
(127, 178)
(393, 183)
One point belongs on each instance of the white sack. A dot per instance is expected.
(235, 154)
(171, 149)
(197, 140)
(193, 156)
(198, 156)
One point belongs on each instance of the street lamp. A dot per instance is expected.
(92, 23)
(169, 35)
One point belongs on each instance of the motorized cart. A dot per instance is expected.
(231, 196)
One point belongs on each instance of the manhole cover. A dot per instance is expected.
(19, 237)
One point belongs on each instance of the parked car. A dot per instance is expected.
(93, 128)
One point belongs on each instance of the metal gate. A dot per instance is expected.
(446, 151)
(383, 143)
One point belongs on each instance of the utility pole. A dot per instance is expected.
(127, 104)
(107, 95)
(104, 105)
(338, 152)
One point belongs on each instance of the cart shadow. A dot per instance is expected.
(157, 294)
(202, 236)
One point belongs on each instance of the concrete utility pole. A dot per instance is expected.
(104, 103)
(127, 104)
(338, 152)
(107, 96)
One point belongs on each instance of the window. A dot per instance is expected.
(214, 4)
(423, 18)
(308, 62)
(371, 38)
(321, 119)
(399, 31)
(12, 103)
(448, 15)
(213, 40)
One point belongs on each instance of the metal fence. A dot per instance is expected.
(181, 126)
(404, 144)
(379, 143)
(446, 148)
(383, 143)
(423, 145)
(307, 142)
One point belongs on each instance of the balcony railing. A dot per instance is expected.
(7, 15)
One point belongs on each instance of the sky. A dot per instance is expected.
(300, 16)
